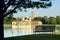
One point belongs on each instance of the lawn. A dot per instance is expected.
(35, 37)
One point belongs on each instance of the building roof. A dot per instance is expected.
(35, 20)
(25, 21)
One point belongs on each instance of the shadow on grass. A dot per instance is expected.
(36, 37)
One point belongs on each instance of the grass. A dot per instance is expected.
(35, 37)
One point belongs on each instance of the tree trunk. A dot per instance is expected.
(1, 19)
(1, 24)
(1, 27)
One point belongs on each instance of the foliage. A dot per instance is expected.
(38, 18)
(11, 6)
(58, 19)
(45, 20)
(50, 20)
(8, 20)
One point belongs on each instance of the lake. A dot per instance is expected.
(8, 32)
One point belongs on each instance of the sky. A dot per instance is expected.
(54, 10)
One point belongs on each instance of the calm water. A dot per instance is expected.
(11, 33)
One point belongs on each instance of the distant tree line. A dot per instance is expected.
(45, 19)
(49, 20)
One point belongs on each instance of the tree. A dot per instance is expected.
(38, 18)
(58, 19)
(8, 20)
(13, 5)
(45, 20)
(52, 20)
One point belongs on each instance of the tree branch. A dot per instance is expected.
(13, 9)
(7, 5)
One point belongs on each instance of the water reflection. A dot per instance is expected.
(22, 31)
(11, 33)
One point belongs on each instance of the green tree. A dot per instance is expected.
(38, 18)
(8, 21)
(58, 19)
(52, 20)
(45, 20)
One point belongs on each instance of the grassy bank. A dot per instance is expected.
(35, 37)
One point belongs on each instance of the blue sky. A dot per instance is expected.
(54, 10)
